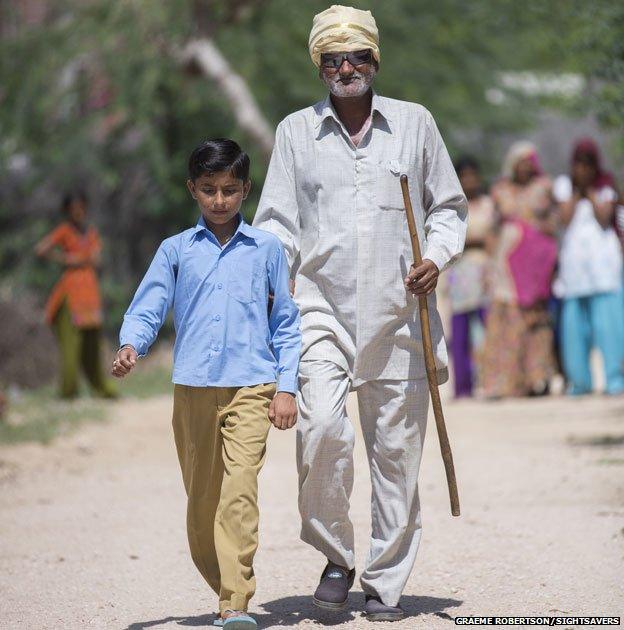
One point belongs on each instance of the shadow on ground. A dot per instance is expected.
(606, 440)
(291, 611)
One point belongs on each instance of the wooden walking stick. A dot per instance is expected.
(432, 376)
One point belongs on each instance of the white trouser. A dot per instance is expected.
(393, 415)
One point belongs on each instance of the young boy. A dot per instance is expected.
(231, 356)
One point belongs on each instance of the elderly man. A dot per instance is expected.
(332, 195)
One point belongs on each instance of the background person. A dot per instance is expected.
(74, 308)
(466, 280)
(590, 272)
(518, 352)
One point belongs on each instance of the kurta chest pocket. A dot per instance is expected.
(388, 185)
(245, 282)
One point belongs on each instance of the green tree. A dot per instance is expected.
(96, 94)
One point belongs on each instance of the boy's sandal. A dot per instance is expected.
(238, 621)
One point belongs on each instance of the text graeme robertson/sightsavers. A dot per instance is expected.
(537, 621)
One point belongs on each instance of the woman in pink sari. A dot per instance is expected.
(518, 356)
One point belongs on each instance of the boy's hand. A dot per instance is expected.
(283, 411)
(124, 361)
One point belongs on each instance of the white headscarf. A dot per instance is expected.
(520, 150)
(343, 29)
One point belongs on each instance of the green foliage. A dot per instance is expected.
(596, 42)
(96, 96)
(443, 54)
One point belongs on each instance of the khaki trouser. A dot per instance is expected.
(220, 435)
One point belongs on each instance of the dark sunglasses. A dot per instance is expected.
(355, 58)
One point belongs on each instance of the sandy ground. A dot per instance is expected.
(92, 528)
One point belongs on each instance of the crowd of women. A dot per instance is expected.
(540, 282)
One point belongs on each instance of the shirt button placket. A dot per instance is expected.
(215, 346)
(360, 202)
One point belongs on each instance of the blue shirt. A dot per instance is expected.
(224, 334)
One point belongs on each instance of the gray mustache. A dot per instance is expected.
(349, 78)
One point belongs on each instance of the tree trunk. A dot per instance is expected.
(204, 55)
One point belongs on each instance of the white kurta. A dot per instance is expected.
(339, 211)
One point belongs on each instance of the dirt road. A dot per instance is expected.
(92, 529)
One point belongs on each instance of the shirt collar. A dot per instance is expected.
(243, 228)
(324, 109)
(380, 105)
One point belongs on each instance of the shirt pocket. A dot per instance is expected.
(389, 195)
(244, 282)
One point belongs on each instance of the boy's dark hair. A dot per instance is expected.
(216, 156)
(466, 161)
(70, 197)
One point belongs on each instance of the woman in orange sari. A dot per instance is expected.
(74, 308)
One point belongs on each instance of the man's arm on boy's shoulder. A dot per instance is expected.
(284, 323)
(152, 301)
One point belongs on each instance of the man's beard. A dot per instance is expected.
(358, 85)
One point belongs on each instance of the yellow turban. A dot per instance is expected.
(343, 29)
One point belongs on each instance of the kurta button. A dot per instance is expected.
(219, 286)
(218, 317)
